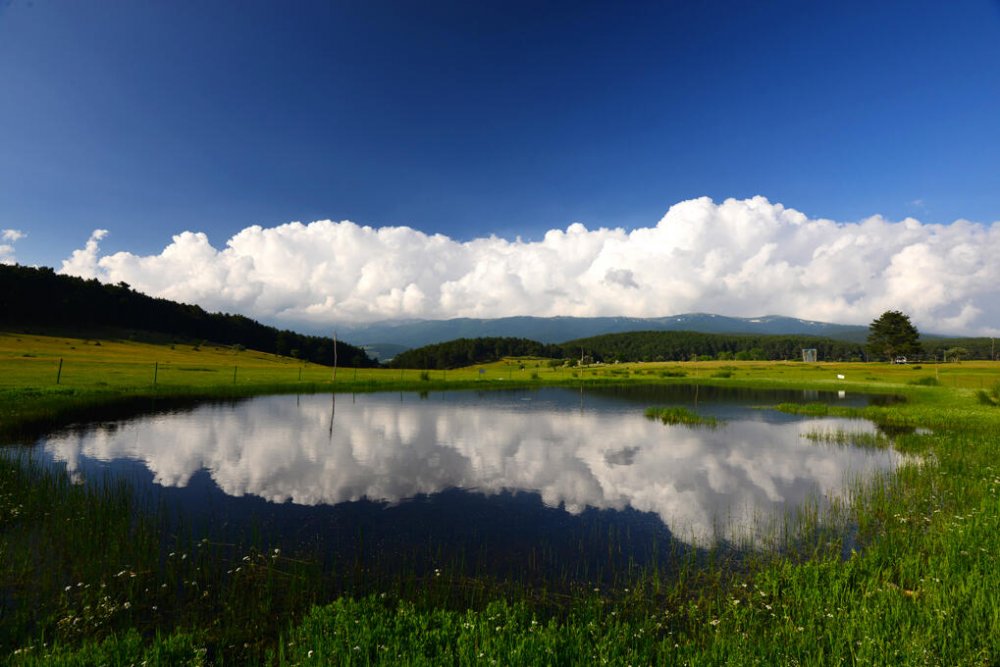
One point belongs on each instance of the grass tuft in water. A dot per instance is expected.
(808, 409)
(677, 415)
(845, 438)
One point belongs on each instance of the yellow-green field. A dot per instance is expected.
(43, 377)
(28, 360)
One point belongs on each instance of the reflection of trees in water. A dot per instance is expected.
(683, 394)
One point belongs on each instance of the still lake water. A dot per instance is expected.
(485, 481)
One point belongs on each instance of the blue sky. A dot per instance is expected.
(468, 119)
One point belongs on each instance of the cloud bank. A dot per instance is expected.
(7, 239)
(741, 258)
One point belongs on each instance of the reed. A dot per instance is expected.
(679, 415)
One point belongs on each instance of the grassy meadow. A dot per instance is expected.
(85, 579)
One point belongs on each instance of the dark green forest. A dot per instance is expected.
(674, 346)
(630, 346)
(974, 348)
(687, 345)
(38, 297)
(469, 351)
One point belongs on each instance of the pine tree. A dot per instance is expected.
(892, 335)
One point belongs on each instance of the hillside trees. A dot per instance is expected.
(42, 298)
(469, 351)
(625, 347)
(683, 345)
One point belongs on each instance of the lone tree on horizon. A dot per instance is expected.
(892, 334)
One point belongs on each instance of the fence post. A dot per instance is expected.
(156, 370)
(59, 372)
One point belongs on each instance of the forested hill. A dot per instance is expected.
(40, 297)
(683, 345)
(469, 351)
(632, 346)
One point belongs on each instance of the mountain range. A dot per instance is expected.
(386, 339)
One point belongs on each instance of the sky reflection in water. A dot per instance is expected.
(574, 450)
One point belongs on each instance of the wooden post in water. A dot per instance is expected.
(59, 372)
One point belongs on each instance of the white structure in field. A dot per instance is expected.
(809, 355)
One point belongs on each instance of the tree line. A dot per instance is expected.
(629, 346)
(469, 351)
(40, 297)
(890, 336)
(689, 345)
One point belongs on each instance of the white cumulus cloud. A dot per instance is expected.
(8, 237)
(83, 261)
(739, 257)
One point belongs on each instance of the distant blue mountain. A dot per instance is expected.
(387, 338)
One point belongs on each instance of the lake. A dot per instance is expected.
(511, 483)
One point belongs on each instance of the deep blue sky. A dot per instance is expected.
(472, 118)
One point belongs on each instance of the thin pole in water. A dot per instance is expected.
(59, 372)
(156, 369)
(333, 412)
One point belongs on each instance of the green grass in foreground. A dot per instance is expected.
(83, 580)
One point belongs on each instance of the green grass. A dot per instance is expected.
(84, 579)
(677, 415)
(807, 409)
(844, 438)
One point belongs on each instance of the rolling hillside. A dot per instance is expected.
(40, 299)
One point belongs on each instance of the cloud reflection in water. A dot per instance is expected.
(703, 483)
